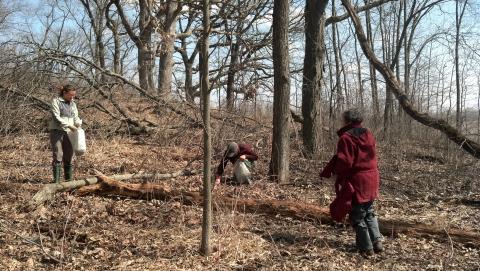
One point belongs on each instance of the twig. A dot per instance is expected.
(28, 241)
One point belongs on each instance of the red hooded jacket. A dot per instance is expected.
(355, 165)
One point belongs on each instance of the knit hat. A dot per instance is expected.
(232, 149)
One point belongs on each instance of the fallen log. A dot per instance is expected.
(301, 211)
(49, 190)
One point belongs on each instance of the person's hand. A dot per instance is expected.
(77, 125)
(72, 127)
(243, 157)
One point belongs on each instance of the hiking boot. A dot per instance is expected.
(378, 247)
(367, 253)
(68, 171)
(56, 169)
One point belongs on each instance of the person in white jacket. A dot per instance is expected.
(64, 119)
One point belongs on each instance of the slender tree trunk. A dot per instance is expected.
(116, 50)
(165, 62)
(207, 145)
(478, 106)
(428, 79)
(386, 48)
(96, 15)
(189, 82)
(459, 11)
(373, 72)
(313, 65)
(406, 78)
(279, 165)
(232, 70)
(188, 64)
(359, 72)
(331, 102)
(338, 75)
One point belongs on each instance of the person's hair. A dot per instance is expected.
(352, 116)
(66, 88)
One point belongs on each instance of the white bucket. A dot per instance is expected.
(77, 138)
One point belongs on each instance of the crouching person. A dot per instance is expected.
(242, 157)
(357, 182)
(64, 118)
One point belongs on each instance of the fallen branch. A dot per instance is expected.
(301, 211)
(468, 145)
(49, 190)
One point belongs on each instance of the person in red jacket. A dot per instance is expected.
(242, 157)
(357, 182)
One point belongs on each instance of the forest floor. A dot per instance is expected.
(419, 184)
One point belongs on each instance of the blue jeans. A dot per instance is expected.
(365, 224)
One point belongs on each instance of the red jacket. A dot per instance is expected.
(243, 149)
(355, 165)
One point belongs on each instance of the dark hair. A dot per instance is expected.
(66, 88)
(352, 116)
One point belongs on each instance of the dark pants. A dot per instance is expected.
(365, 224)
(62, 150)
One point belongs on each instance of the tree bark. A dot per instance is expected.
(279, 164)
(459, 11)
(113, 26)
(165, 66)
(232, 70)
(143, 42)
(359, 73)
(441, 125)
(49, 190)
(373, 74)
(207, 144)
(295, 210)
(313, 74)
(338, 71)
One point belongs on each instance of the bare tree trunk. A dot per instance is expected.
(359, 72)
(458, 23)
(441, 125)
(313, 65)
(279, 164)
(386, 46)
(113, 26)
(188, 64)
(189, 82)
(373, 73)
(143, 42)
(406, 75)
(331, 102)
(165, 62)
(232, 70)
(207, 145)
(338, 75)
(478, 105)
(97, 23)
(145, 53)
